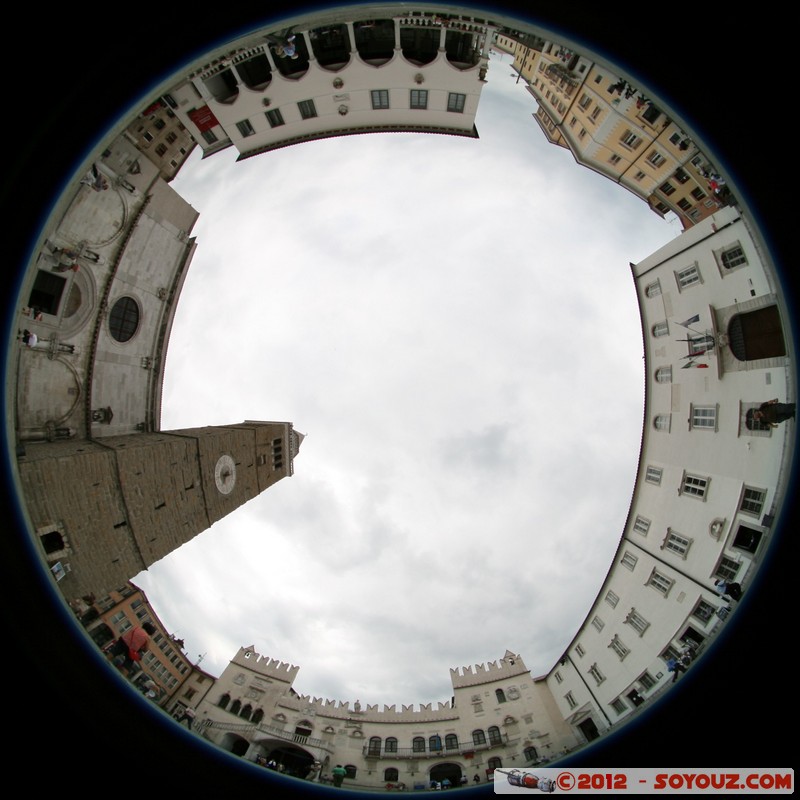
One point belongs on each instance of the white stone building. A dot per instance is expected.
(411, 72)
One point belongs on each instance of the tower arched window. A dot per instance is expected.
(374, 747)
(246, 712)
(418, 744)
(501, 695)
(236, 707)
(390, 745)
(478, 737)
(435, 743)
(258, 715)
(451, 742)
(224, 700)
(495, 736)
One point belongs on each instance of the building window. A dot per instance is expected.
(694, 486)
(350, 770)
(684, 204)
(451, 742)
(478, 737)
(374, 747)
(661, 583)
(580, 651)
(728, 569)
(701, 344)
(390, 745)
(455, 102)
(307, 109)
(676, 543)
(630, 140)
(638, 177)
(435, 743)
(611, 598)
(209, 136)
(660, 329)
(275, 118)
(123, 321)
(619, 647)
(703, 417)
(558, 677)
(662, 422)
(172, 137)
(570, 700)
(530, 754)
(681, 175)
(619, 706)
(419, 98)
(704, 611)
(664, 375)
(245, 128)
(500, 695)
(667, 188)
(698, 193)
(598, 623)
(647, 681)
(582, 133)
(494, 735)
(653, 475)
(653, 289)
(688, 277)
(752, 501)
(418, 744)
(596, 674)
(596, 113)
(494, 763)
(391, 774)
(161, 150)
(614, 159)
(637, 622)
(380, 98)
(585, 102)
(629, 560)
(656, 159)
(733, 257)
(641, 525)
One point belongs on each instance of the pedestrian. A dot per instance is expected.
(446, 784)
(128, 649)
(771, 413)
(188, 714)
(477, 778)
(675, 667)
(727, 589)
(29, 338)
(338, 774)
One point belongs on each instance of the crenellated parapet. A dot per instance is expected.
(509, 666)
(265, 665)
(342, 710)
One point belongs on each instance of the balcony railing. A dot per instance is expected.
(460, 748)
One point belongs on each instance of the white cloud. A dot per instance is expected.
(453, 324)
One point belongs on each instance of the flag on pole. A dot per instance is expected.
(694, 364)
(690, 321)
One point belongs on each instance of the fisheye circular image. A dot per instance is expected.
(399, 398)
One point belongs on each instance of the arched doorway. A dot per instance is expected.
(757, 334)
(294, 760)
(447, 770)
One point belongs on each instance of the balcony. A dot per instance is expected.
(456, 749)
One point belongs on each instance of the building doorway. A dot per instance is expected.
(447, 770)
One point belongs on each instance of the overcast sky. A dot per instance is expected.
(453, 324)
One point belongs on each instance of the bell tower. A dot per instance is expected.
(105, 509)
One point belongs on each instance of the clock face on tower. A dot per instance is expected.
(225, 474)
